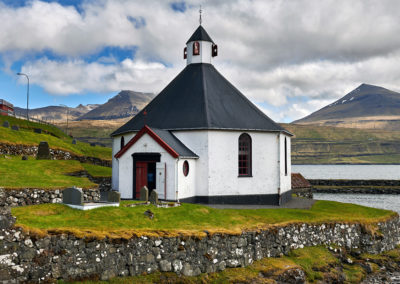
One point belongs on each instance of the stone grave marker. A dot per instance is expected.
(72, 196)
(43, 151)
(144, 194)
(74, 141)
(24, 158)
(15, 127)
(114, 196)
(37, 130)
(93, 144)
(6, 124)
(154, 197)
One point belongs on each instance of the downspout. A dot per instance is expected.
(279, 169)
(176, 180)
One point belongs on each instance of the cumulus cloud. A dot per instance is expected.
(292, 55)
(77, 76)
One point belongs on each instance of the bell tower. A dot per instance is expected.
(200, 48)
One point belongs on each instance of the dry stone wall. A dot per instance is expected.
(30, 196)
(55, 154)
(25, 257)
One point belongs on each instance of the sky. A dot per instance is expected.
(288, 57)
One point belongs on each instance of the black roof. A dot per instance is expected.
(201, 98)
(200, 34)
(175, 143)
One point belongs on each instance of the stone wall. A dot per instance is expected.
(19, 150)
(356, 186)
(25, 257)
(28, 196)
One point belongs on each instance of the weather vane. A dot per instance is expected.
(200, 11)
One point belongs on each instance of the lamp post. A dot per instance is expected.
(27, 95)
(67, 115)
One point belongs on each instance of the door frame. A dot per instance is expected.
(142, 157)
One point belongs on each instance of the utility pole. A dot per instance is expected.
(27, 95)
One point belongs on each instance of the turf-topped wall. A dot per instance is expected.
(22, 197)
(56, 154)
(31, 258)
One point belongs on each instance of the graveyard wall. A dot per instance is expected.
(30, 258)
(18, 150)
(30, 196)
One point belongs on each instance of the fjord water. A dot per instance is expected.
(360, 172)
(363, 172)
(382, 201)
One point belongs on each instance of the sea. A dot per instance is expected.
(360, 172)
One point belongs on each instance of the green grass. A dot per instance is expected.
(64, 143)
(97, 171)
(314, 261)
(30, 125)
(43, 174)
(190, 219)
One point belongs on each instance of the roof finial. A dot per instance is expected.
(200, 11)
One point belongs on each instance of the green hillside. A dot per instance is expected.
(333, 145)
(56, 138)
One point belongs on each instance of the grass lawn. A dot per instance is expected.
(64, 143)
(97, 171)
(43, 174)
(189, 219)
(30, 125)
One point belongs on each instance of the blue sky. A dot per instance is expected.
(289, 57)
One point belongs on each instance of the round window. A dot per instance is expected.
(185, 168)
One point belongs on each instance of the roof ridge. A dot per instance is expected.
(203, 81)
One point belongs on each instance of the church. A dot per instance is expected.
(200, 140)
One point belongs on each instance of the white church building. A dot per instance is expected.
(200, 140)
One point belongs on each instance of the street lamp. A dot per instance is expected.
(27, 95)
(67, 115)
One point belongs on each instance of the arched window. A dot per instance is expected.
(244, 155)
(196, 48)
(122, 142)
(285, 157)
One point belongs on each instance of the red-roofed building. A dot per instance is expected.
(6, 108)
(300, 186)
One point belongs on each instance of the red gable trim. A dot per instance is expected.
(147, 130)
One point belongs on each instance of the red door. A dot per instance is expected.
(141, 177)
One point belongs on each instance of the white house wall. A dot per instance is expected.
(286, 180)
(223, 161)
(186, 184)
(197, 141)
(145, 144)
(116, 146)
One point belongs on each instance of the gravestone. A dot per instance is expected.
(154, 197)
(15, 127)
(114, 196)
(24, 158)
(144, 194)
(93, 144)
(43, 151)
(37, 130)
(74, 141)
(6, 124)
(72, 196)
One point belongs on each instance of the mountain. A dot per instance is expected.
(56, 113)
(367, 106)
(125, 104)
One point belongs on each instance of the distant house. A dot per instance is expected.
(6, 108)
(201, 140)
